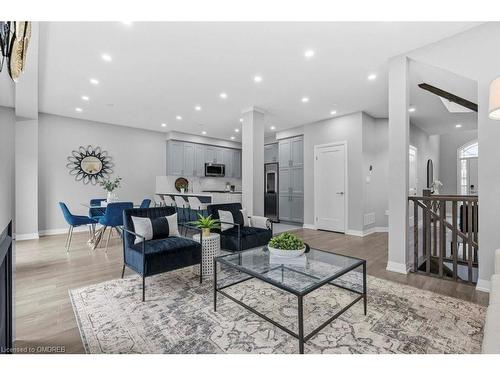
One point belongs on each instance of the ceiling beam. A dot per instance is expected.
(449, 96)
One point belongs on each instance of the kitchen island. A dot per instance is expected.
(208, 197)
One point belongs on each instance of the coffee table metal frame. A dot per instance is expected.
(300, 295)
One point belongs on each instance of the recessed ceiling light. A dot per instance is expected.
(232, 138)
(305, 99)
(333, 112)
(127, 23)
(411, 109)
(203, 132)
(272, 127)
(257, 79)
(85, 97)
(241, 120)
(78, 109)
(458, 125)
(372, 77)
(106, 57)
(197, 108)
(163, 125)
(237, 130)
(94, 81)
(309, 53)
(178, 117)
(223, 95)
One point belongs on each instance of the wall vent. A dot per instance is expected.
(369, 218)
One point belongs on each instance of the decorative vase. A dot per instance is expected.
(205, 232)
(112, 197)
(183, 190)
(286, 253)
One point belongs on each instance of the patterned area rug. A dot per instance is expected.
(178, 317)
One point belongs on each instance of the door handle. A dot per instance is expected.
(340, 193)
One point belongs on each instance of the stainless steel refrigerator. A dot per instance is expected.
(271, 189)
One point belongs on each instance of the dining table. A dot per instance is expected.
(97, 234)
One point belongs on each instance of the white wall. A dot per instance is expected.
(139, 156)
(427, 148)
(346, 128)
(449, 144)
(375, 153)
(7, 123)
(471, 55)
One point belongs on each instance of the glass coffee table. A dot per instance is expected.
(299, 276)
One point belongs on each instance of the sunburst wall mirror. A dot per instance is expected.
(90, 164)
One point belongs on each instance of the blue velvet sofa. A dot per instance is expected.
(242, 237)
(152, 257)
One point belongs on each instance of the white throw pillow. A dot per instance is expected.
(173, 227)
(226, 216)
(246, 219)
(144, 226)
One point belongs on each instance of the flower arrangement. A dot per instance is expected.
(286, 241)
(183, 187)
(436, 185)
(205, 224)
(111, 185)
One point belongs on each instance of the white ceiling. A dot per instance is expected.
(430, 113)
(161, 70)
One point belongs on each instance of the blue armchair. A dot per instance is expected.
(113, 217)
(241, 237)
(73, 221)
(145, 203)
(152, 257)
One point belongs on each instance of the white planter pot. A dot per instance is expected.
(112, 197)
(286, 253)
(183, 191)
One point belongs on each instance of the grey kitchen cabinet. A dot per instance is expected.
(291, 208)
(237, 164)
(291, 152)
(227, 160)
(188, 169)
(175, 158)
(188, 159)
(199, 160)
(180, 158)
(271, 153)
(291, 179)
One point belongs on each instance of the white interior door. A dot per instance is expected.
(330, 187)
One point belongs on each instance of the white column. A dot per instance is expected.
(252, 161)
(26, 145)
(398, 164)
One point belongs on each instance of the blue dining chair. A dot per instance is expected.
(113, 217)
(74, 221)
(145, 203)
(99, 211)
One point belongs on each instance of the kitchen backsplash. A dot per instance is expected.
(197, 184)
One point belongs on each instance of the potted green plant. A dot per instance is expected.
(183, 187)
(110, 186)
(206, 224)
(286, 245)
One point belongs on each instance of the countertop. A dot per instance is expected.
(205, 193)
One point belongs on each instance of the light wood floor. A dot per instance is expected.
(45, 272)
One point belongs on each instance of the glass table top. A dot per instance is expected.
(297, 275)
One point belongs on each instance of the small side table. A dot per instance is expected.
(209, 249)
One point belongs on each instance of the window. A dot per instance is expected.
(467, 168)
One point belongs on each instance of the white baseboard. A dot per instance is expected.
(352, 232)
(483, 285)
(309, 226)
(52, 232)
(26, 236)
(397, 267)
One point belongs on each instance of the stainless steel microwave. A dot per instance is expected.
(215, 170)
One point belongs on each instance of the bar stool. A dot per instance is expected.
(196, 205)
(181, 205)
(168, 201)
